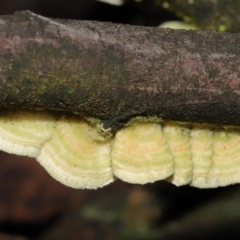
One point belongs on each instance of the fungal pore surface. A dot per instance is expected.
(78, 154)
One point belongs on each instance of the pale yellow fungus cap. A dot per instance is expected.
(178, 139)
(69, 148)
(140, 154)
(23, 132)
(145, 150)
(201, 146)
(76, 155)
(178, 25)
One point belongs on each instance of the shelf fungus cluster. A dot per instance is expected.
(78, 154)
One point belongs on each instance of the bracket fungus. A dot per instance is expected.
(109, 74)
(75, 151)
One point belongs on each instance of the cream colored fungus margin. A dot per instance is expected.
(79, 155)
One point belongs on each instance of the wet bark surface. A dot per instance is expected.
(114, 72)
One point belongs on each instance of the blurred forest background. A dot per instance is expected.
(34, 206)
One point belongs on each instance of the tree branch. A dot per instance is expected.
(114, 72)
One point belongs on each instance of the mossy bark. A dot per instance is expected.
(114, 72)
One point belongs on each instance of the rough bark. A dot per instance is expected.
(114, 72)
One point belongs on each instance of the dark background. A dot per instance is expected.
(35, 206)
